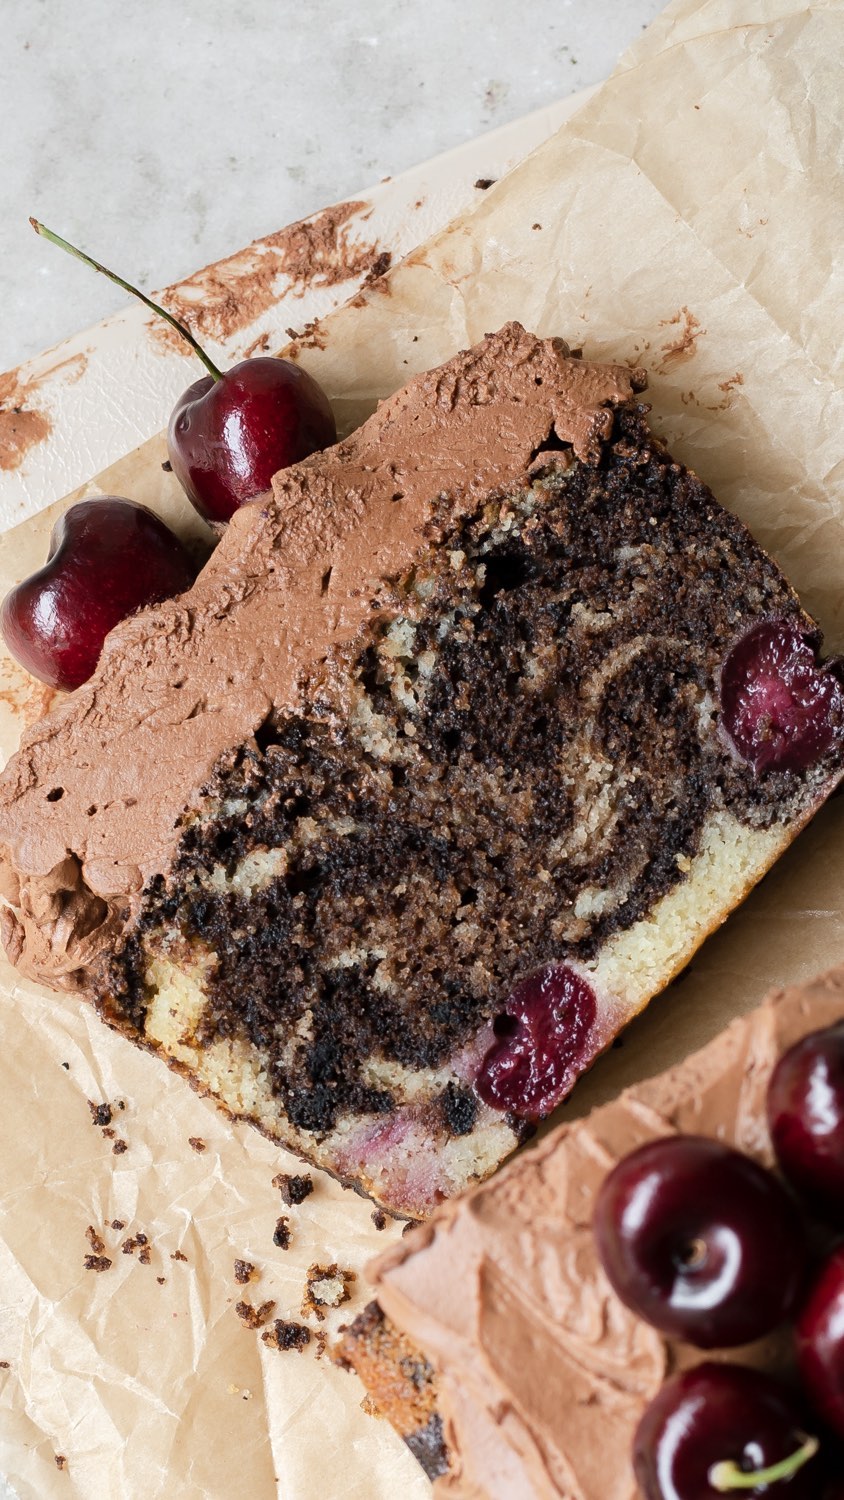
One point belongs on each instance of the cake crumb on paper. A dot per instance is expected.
(379, 1218)
(177, 1255)
(100, 1113)
(197, 1144)
(294, 1187)
(97, 1263)
(254, 1317)
(287, 1335)
(326, 1287)
(95, 1240)
(243, 1271)
(281, 1233)
(61, 1461)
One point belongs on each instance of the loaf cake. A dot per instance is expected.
(533, 1376)
(463, 740)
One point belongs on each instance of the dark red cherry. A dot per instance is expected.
(107, 559)
(544, 1042)
(228, 436)
(712, 1431)
(232, 431)
(780, 707)
(820, 1341)
(700, 1241)
(806, 1118)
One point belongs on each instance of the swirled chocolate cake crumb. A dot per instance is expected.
(254, 1317)
(287, 1335)
(294, 1188)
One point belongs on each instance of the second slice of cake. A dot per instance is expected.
(458, 748)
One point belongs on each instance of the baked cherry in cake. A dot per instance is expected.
(108, 558)
(700, 1241)
(806, 1118)
(725, 1429)
(781, 708)
(542, 1043)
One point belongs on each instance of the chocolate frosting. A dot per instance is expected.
(90, 804)
(543, 1373)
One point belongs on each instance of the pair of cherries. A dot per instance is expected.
(709, 1247)
(228, 435)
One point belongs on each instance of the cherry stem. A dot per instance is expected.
(181, 328)
(726, 1477)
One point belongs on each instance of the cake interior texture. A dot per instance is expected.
(516, 777)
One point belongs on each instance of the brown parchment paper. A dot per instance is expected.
(689, 218)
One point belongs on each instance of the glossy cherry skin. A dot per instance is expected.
(806, 1118)
(228, 437)
(820, 1341)
(107, 559)
(545, 1039)
(700, 1241)
(781, 708)
(717, 1414)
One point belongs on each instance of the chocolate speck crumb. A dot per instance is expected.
(326, 1286)
(61, 1461)
(177, 1255)
(109, 1133)
(97, 1263)
(167, 466)
(66, 1067)
(536, 226)
(281, 1234)
(94, 1240)
(137, 1242)
(197, 1144)
(161, 1280)
(293, 1188)
(254, 1317)
(243, 1271)
(379, 1218)
(380, 265)
(118, 1224)
(321, 1341)
(100, 1113)
(119, 1147)
(287, 1336)
(4, 1364)
(485, 182)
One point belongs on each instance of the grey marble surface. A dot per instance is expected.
(165, 134)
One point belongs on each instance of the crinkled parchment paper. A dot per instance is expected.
(690, 218)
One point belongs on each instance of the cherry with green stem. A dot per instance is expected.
(232, 430)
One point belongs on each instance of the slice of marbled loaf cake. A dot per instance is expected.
(499, 715)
